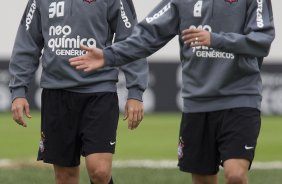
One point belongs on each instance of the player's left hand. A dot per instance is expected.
(133, 113)
(196, 37)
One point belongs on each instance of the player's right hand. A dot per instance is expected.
(92, 60)
(196, 37)
(20, 107)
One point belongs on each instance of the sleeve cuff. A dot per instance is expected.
(18, 92)
(109, 57)
(216, 41)
(135, 93)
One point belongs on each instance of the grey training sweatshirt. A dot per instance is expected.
(51, 32)
(226, 75)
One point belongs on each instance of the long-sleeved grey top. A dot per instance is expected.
(51, 32)
(224, 75)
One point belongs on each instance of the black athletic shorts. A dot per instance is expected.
(207, 139)
(75, 124)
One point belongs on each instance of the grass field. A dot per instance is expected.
(155, 139)
(32, 175)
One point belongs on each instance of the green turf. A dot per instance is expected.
(31, 175)
(270, 140)
(156, 138)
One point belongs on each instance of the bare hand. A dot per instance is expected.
(19, 107)
(92, 60)
(196, 37)
(134, 113)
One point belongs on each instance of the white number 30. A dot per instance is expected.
(56, 9)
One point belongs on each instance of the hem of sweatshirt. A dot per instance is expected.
(135, 93)
(214, 104)
(94, 88)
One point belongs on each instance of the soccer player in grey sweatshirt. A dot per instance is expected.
(79, 110)
(222, 46)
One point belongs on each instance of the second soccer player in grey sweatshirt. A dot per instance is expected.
(222, 46)
(224, 75)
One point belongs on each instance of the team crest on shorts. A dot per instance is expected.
(231, 1)
(41, 143)
(89, 1)
(180, 148)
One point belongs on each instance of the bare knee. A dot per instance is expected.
(204, 179)
(99, 166)
(66, 175)
(100, 175)
(236, 171)
(236, 178)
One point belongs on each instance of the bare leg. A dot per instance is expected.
(236, 171)
(99, 167)
(110, 182)
(204, 179)
(66, 175)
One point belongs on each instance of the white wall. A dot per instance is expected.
(12, 10)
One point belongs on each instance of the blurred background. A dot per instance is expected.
(153, 145)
